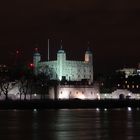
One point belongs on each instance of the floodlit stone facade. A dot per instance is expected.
(88, 92)
(65, 69)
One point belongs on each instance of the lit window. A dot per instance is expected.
(102, 84)
(128, 86)
(118, 85)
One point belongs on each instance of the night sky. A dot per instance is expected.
(111, 26)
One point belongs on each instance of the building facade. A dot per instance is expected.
(62, 68)
(83, 92)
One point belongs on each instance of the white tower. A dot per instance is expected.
(36, 60)
(61, 59)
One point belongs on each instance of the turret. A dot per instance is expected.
(88, 56)
(89, 62)
(36, 60)
(61, 55)
(61, 58)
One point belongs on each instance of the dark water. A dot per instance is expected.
(92, 124)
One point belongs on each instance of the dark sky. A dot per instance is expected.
(111, 26)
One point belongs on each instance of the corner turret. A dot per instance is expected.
(61, 59)
(88, 56)
(36, 60)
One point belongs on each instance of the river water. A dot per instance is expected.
(68, 124)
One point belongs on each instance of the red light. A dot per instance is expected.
(17, 52)
(36, 49)
(31, 65)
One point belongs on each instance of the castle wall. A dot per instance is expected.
(77, 70)
(71, 70)
(68, 69)
(77, 92)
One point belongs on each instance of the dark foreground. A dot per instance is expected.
(69, 104)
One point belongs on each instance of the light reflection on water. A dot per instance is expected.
(65, 124)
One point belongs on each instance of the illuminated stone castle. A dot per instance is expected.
(65, 69)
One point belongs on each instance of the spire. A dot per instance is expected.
(88, 46)
(88, 50)
(36, 50)
(48, 49)
(61, 47)
(88, 43)
(36, 47)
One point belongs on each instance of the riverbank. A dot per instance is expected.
(68, 104)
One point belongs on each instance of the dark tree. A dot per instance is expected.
(4, 86)
(42, 85)
(23, 87)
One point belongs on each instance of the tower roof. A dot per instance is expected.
(61, 48)
(88, 51)
(61, 51)
(36, 52)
